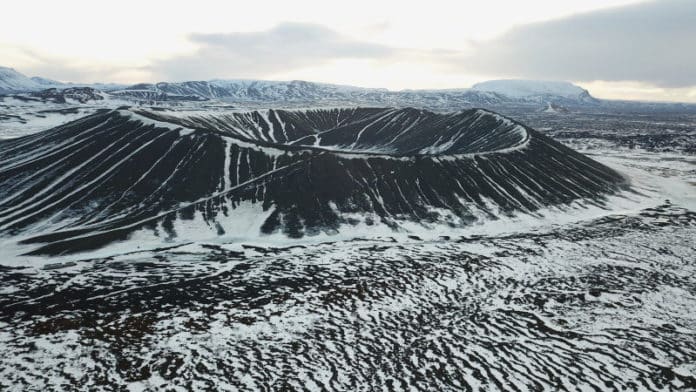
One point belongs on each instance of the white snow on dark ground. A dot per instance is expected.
(600, 299)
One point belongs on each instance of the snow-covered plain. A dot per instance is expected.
(583, 298)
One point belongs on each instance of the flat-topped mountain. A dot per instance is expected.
(540, 90)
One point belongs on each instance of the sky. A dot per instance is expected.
(617, 49)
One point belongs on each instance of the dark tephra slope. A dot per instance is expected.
(297, 173)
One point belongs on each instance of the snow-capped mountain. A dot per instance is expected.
(302, 91)
(12, 81)
(259, 90)
(536, 90)
(298, 91)
(46, 82)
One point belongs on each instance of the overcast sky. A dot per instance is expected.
(629, 49)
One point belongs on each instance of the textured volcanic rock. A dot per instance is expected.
(79, 94)
(102, 178)
(605, 305)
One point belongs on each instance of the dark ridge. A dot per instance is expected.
(80, 94)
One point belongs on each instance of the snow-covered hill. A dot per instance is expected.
(12, 81)
(45, 82)
(535, 90)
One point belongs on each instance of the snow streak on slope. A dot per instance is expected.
(104, 177)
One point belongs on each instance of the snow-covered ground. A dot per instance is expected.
(591, 299)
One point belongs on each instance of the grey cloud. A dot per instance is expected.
(256, 54)
(651, 42)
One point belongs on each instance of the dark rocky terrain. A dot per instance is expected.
(78, 94)
(605, 305)
(411, 250)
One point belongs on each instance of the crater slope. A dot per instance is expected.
(179, 176)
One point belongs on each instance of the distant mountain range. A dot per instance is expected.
(541, 95)
(494, 92)
(302, 91)
(12, 82)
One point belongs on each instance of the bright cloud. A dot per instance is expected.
(618, 48)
